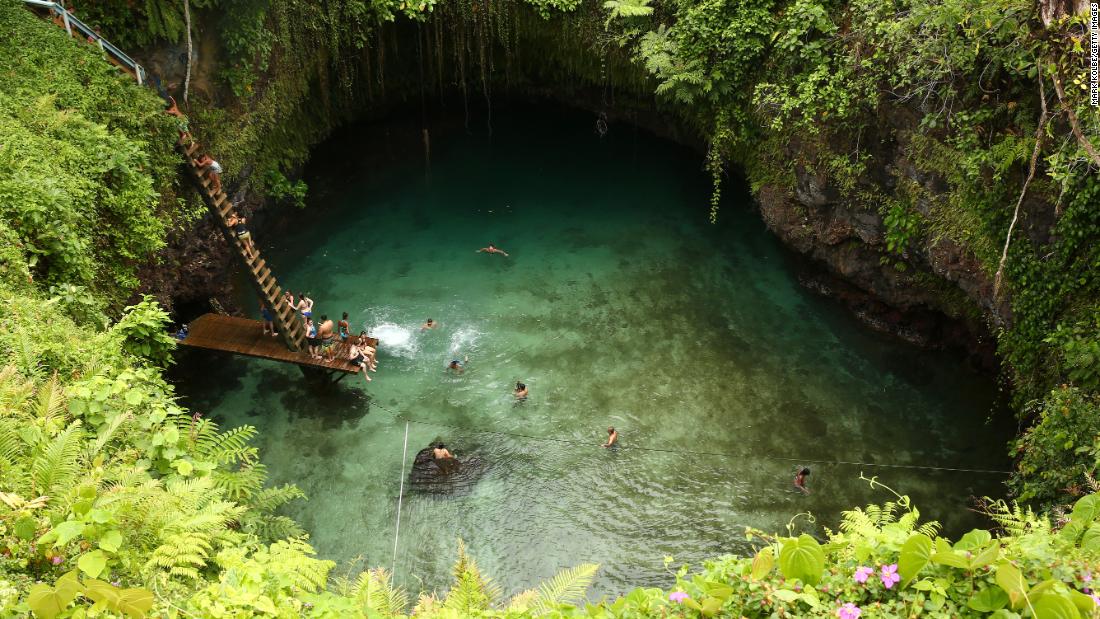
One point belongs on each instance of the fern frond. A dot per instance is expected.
(374, 591)
(50, 405)
(566, 587)
(55, 469)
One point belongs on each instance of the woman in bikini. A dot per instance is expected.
(236, 223)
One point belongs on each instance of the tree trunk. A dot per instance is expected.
(187, 23)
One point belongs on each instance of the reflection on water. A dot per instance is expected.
(619, 305)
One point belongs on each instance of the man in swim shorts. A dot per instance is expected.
(441, 452)
(491, 249)
(328, 338)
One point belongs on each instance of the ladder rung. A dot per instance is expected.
(274, 296)
(257, 269)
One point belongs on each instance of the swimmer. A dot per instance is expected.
(441, 452)
(520, 392)
(800, 480)
(491, 249)
(431, 324)
(612, 436)
(457, 366)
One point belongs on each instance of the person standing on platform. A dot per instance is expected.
(269, 318)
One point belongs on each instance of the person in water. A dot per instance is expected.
(520, 392)
(800, 480)
(213, 169)
(328, 338)
(457, 366)
(305, 305)
(491, 249)
(269, 318)
(441, 452)
(237, 224)
(356, 357)
(431, 324)
(344, 328)
(311, 338)
(612, 436)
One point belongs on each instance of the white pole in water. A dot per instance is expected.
(400, 496)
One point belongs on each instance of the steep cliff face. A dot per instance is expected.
(936, 293)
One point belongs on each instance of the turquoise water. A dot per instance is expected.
(619, 305)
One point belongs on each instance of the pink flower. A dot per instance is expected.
(1086, 577)
(889, 575)
(849, 611)
(677, 596)
(56, 560)
(862, 574)
(1095, 598)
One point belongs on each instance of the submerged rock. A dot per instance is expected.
(448, 475)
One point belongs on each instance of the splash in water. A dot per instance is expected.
(395, 339)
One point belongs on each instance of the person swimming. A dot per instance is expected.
(800, 480)
(441, 452)
(430, 324)
(612, 436)
(492, 249)
(457, 366)
(520, 392)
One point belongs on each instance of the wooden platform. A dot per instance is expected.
(242, 336)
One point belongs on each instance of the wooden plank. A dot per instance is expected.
(242, 336)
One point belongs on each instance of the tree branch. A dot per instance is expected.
(1023, 192)
(1073, 122)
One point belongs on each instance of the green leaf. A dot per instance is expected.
(711, 606)
(1012, 581)
(102, 593)
(1055, 606)
(987, 556)
(184, 467)
(92, 563)
(802, 558)
(25, 528)
(988, 600)
(48, 602)
(763, 563)
(975, 539)
(135, 603)
(1086, 509)
(915, 554)
(67, 531)
(111, 541)
(1091, 539)
(944, 555)
(786, 595)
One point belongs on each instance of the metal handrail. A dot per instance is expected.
(72, 22)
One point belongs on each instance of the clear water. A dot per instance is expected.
(619, 305)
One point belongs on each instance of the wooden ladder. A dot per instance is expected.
(287, 323)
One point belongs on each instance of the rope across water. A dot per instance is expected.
(553, 439)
